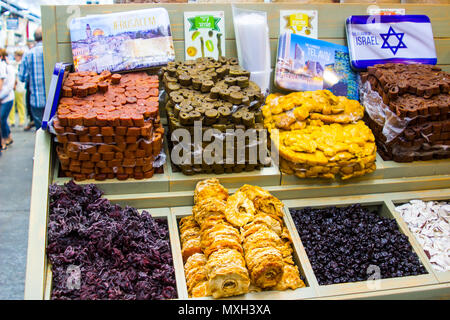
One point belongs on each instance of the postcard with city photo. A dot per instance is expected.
(305, 64)
(122, 41)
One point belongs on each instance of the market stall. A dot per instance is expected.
(171, 192)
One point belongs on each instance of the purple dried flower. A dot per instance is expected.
(116, 252)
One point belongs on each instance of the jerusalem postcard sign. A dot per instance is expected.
(122, 41)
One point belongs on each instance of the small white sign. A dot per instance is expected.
(204, 34)
(301, 22)
(384, 11)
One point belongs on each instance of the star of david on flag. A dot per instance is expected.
(387, 36)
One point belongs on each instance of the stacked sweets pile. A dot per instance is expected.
(235, 244)
(320, 135)
(108, 125)
(411, 119)
(219, 94)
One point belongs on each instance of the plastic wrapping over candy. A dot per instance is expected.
(319, 135)
(111, 132)
(408, 110)
(380, 113)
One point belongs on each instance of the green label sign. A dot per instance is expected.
(204, 22)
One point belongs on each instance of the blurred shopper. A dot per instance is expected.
(32, 73)
(30, 44)
(2, 80)
(19, 94)
(6, 98)
(27, 106)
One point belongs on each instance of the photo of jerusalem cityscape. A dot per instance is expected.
(117, 43)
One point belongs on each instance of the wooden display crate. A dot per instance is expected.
(301, 293)
(391, 183)
(163, 213)
(443, 277)
(378, 205)
(430, 285)
(388, 176)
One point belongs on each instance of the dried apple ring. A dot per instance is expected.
(239, 209)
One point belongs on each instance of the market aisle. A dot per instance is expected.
(16, 167)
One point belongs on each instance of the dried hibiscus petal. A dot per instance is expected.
(103, 251)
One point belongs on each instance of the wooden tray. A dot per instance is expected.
(163, 213)
(382, 208)
(301, 293)
(422, 286)
(443, 277)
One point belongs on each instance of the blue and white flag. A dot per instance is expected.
(390, 38)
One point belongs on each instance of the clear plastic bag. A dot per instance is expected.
(253, 46)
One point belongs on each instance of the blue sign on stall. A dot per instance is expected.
(12, 24)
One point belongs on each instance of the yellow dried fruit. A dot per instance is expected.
(191, 51)
(209, 45)
(320, 135)
(195, 35)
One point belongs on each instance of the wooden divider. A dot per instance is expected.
(55, 20)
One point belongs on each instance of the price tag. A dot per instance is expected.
(374, 10)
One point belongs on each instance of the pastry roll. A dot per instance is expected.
(188, 234)
(217, 231)
(273, 224)
(262, 238)
(196, 275)
(223, 243)
(269, 205)
(187, 223)
(253, 192)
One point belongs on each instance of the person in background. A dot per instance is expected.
(19, 93)
(30, 44)
(7, 99)
(2, 79)
(27, 106)
(32, 73)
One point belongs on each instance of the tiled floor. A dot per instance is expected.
(16, 167)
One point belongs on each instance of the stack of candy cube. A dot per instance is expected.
(108, 125)
(412, 123)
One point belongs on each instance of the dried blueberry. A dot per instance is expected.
(348, 240)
